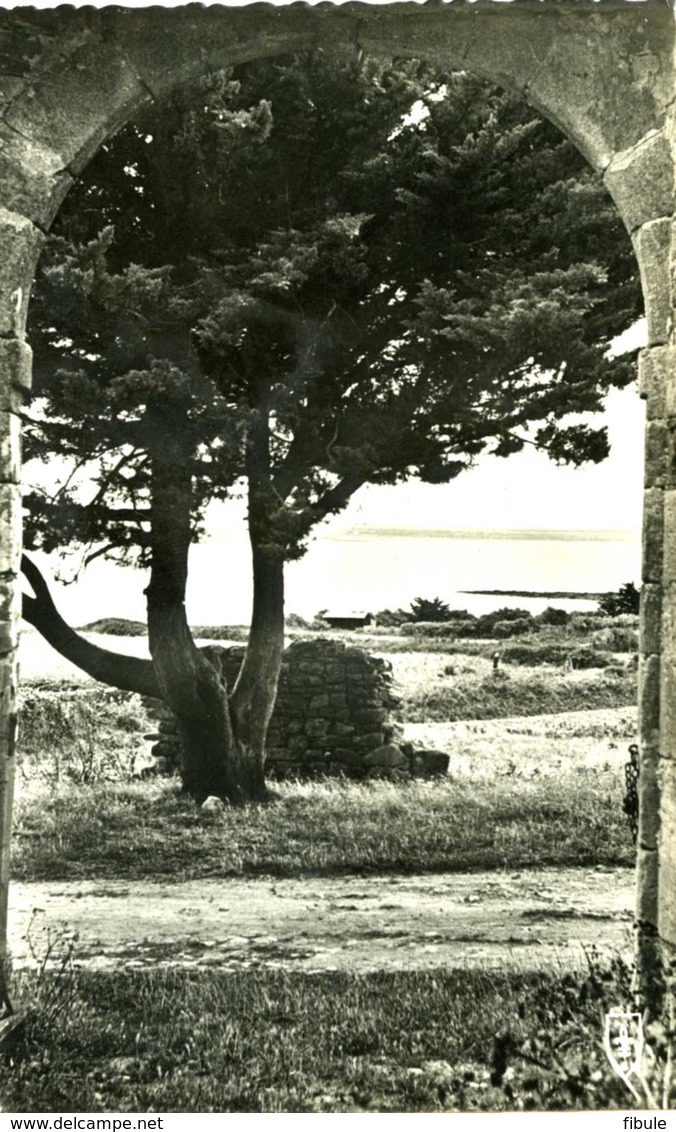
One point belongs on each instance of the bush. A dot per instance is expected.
(430, 629)
(116, 627)
(514, 628)
(552, 616)
(533, 656)
(626, 600)
(616, 639)
(392, 618)
(429, 609)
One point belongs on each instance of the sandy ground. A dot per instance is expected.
(533, 919)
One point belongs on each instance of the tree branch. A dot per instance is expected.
(129, 673)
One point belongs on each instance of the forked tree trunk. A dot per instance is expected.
(223, 736)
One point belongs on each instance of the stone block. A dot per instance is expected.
(16, 364)
(34, 178)
(387, 756)
(344, 757)
(429, 764)
(20, 244)
(667, 853)
(652, 243)
(649, 679)
(641, 180)
(649, 798)
(10, 525)
(10, 448)
(605, 80)
(652, 535)
(370, 715)
(647, 877)
(650, 633)
(669, 551)
(656, 453)
(665, 738)
(316, 727)
(656, 371)
(10, 598)
(369, 741)
(74, 108)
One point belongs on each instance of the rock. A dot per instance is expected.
(388, 757)
(429, 764)
(212, 805)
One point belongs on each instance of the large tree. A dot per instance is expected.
(306, 276)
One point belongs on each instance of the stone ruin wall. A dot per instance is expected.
(333, 716)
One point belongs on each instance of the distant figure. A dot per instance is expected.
(568, 664)
(496, 661)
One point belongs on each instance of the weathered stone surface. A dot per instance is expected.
(16, 363)
(605, 80)
(10, 525)
(652, 244)
(641, 180)
(649, 798)
(10, 598)
(10, 448)
(189, 42)
(212, 805)
(20, 244)
(667, 853)
(649, 700)
(666, 739)
(73, 109)
(657, 381)
(669, 554)
(653, 534)
(656, 454)
(34, 178)
(389, 755)
(647, 874)
(429, 763)
(650, 633)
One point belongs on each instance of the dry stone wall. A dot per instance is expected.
(333, 716)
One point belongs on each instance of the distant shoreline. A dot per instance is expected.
(569, 595)
(491, 534)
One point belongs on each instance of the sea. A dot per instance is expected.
(368, 569)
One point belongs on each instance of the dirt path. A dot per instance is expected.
(532, 919)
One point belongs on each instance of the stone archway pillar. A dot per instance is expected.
(656, 850)
(20, 242)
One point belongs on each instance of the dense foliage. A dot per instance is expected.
(385, 294)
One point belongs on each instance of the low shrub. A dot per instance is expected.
(537, 655)
(116, 627)
(515, 628)
(534, 656)
(616, 639)
(83, 735)
(433, 629)
(552, 616)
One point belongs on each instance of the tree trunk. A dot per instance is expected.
(223, 740)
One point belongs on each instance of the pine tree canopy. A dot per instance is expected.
(365, 272)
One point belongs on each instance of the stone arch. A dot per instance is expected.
(603, 72)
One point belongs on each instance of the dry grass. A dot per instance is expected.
(270, 1041)
(322, 828)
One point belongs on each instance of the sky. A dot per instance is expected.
(526, 491)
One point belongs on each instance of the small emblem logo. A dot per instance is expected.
(623, 1043)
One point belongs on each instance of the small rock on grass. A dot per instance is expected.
(212, 805)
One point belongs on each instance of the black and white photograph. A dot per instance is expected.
(337, 560)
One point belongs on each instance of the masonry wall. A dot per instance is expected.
(333, 709)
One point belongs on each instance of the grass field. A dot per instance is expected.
(526, 788)
(277, 1042)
